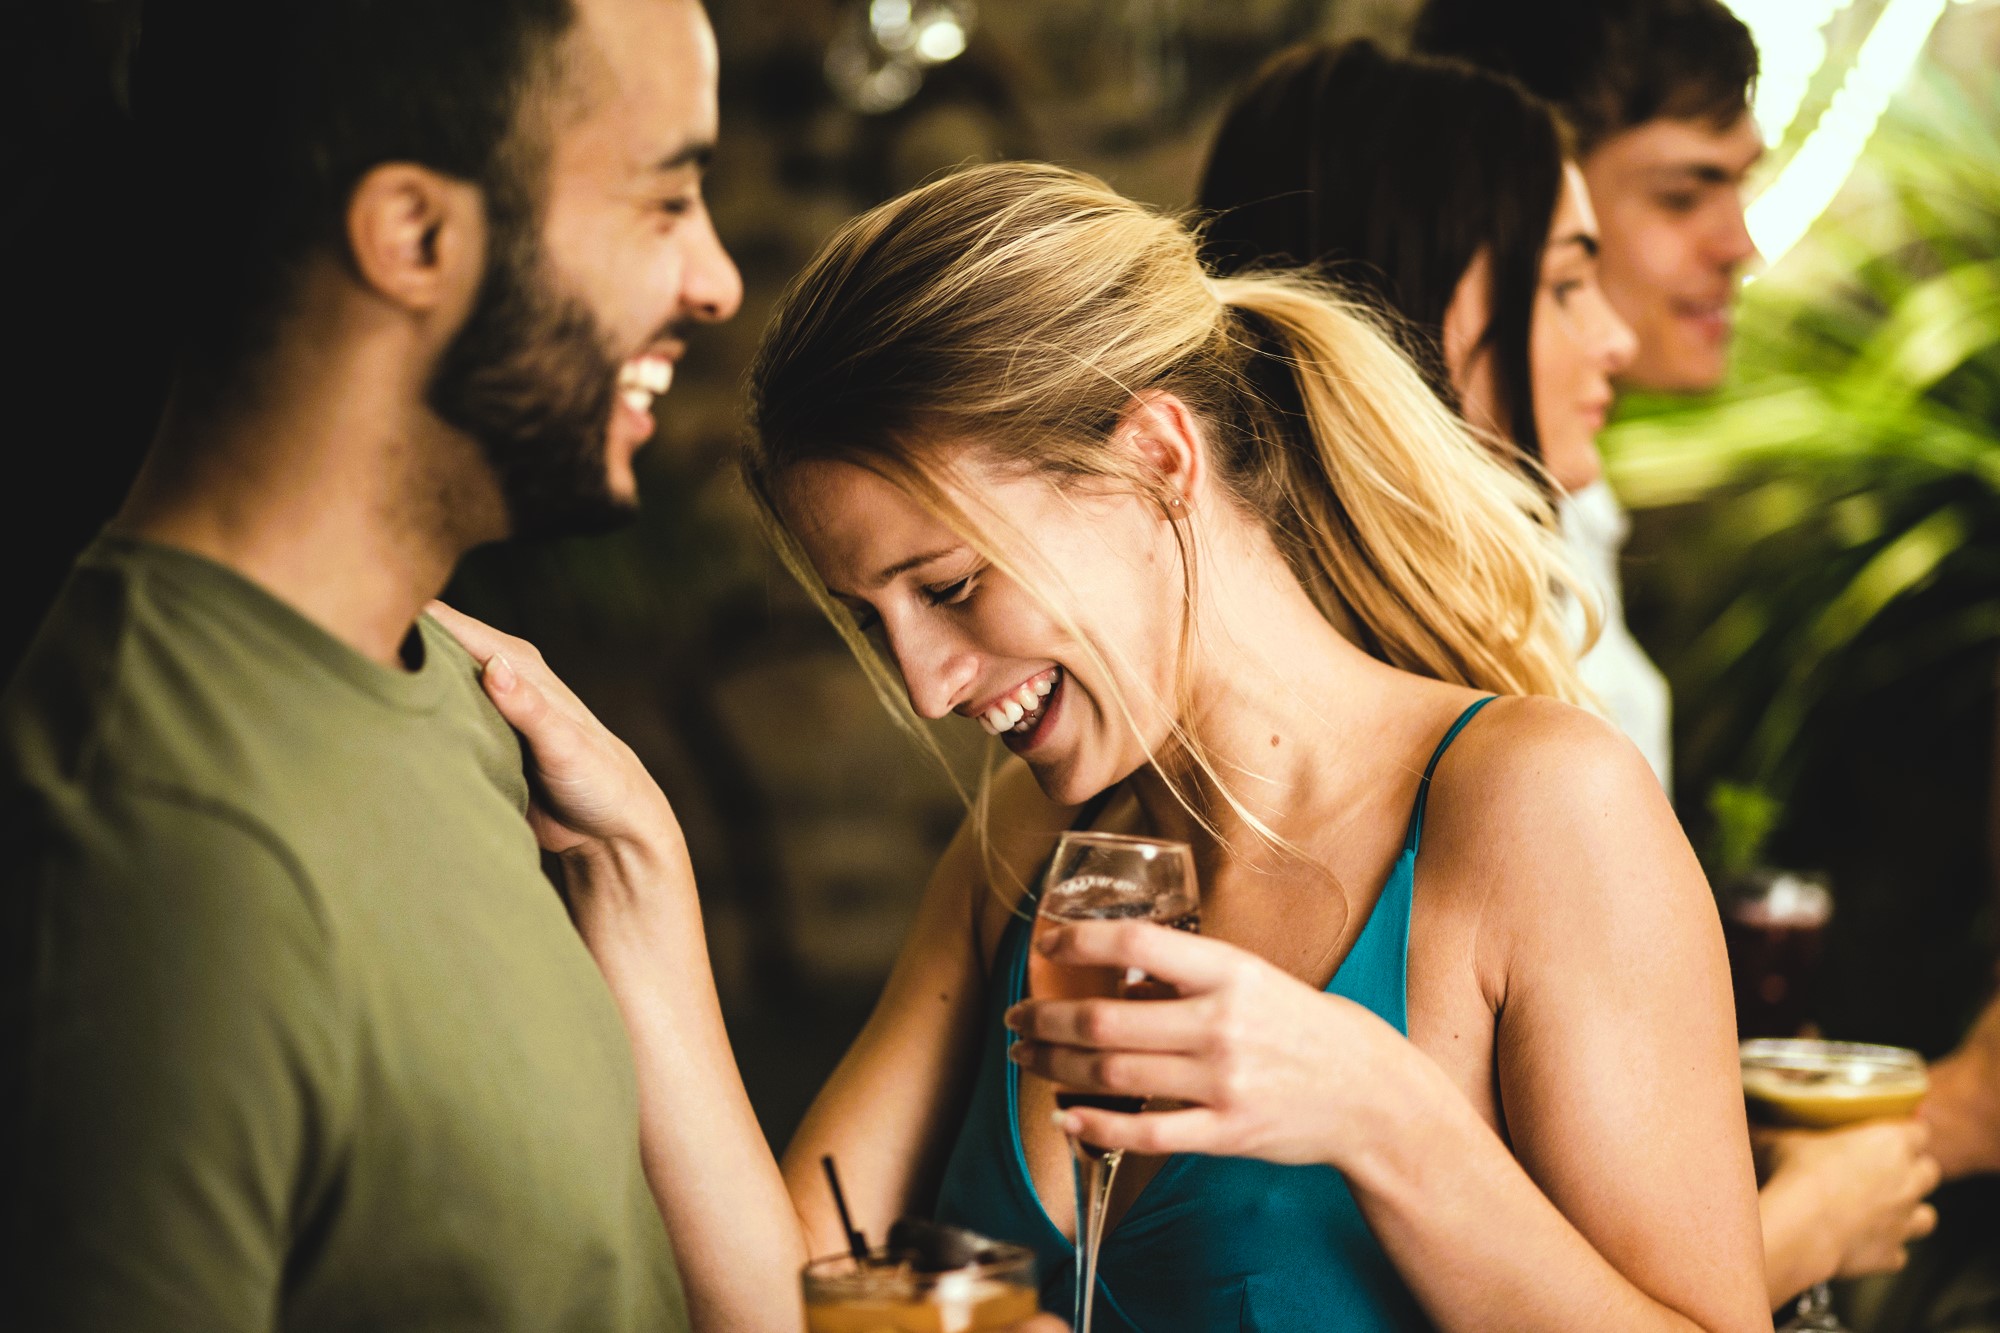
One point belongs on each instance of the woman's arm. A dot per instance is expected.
(738, 1235)
(1615, 1046)
(888, 1113)
(1627, 1200)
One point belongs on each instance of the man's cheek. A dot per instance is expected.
(651, 306)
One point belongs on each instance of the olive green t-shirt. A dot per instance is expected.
(297, 1034)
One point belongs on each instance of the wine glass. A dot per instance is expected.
(1106, 877)
(1800, 1083)
(1774, 923)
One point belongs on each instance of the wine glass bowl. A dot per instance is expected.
(1110, 877)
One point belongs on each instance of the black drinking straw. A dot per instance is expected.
(856, 1242)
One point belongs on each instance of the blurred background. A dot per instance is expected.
(1816, 562)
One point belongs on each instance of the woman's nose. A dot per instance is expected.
(1617, 342)
(937, 670)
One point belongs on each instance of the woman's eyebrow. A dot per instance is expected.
(905, 566)
(900, 567)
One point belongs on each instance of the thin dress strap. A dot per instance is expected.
(1424, 788)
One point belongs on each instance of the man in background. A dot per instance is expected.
(1657, 93)
(296, 1033)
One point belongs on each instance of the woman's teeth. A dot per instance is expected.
(1020, 710)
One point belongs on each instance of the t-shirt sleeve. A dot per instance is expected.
(178, 1066)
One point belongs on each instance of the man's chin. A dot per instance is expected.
(1693, 373)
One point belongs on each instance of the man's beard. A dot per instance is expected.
(530, 377)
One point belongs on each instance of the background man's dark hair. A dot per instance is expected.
(1392, 174)
(259, 118)
(1607, 64)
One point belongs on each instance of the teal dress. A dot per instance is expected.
(1211, 1242)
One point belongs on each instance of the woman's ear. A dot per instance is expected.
(418, 237)
(1164, 435)
(1468, 356)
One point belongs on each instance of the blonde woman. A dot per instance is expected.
(1213, 563)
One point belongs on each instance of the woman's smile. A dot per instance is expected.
(1018, 710)
(1036, 726)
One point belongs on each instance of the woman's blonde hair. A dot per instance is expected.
(1021, 308)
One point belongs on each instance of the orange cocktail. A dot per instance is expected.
(888, 1294)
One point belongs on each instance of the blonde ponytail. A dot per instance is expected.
(1408, 531)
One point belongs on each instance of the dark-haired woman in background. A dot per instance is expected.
(1445, 195)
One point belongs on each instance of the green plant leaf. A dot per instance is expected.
(1900, 566)
(1744, 815)
(1936, 327)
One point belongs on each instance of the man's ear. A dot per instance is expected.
(1167, 438)
(418, 237)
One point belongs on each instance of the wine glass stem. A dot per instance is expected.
(1814, 1312)
(1094, 1172)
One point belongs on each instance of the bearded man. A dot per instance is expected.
(298, 1035)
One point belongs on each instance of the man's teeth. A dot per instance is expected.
(1020, 710)
(643, 379)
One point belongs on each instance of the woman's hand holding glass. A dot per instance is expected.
(1261, 1064)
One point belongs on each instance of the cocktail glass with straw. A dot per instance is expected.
(927, 1278)
(1106, 877)
(1798, 1083)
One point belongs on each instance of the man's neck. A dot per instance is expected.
(335, 502)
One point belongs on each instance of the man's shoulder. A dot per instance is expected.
(121, 833)
(174, 883)
(114, 678)
(495, 746)
(122, 752)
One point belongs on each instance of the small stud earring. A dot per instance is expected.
(1175, 502)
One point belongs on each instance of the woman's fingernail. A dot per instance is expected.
(1015, 1018)
(1017, 1052)
(1047, 940)
(500, 673)
(1066, 1122)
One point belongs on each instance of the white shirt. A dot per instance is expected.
(1616, 668)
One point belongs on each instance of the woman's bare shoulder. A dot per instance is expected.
(1532, 755)
(1550, 802)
